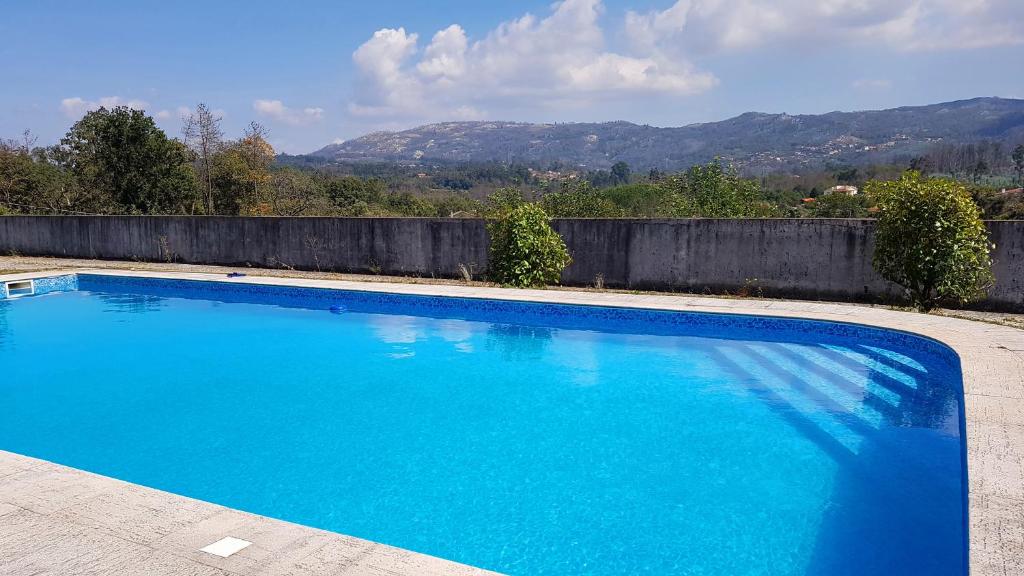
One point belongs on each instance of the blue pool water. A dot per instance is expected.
(523, 438)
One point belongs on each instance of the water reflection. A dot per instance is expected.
(398, 329)
(458, 333)
(4, 326)
(848, 393)
(516, 342)
(891, 424)
(580, 356)
(132, 303)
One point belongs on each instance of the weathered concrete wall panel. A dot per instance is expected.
(812, 258)
(809, 258)
(1007, 263)
(411, 246)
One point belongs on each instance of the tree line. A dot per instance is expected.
(118, 161)
(973, 161)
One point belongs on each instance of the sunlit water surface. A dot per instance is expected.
(518, 448)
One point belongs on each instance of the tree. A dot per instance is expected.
(17, 173)
(31, 183)
(205, 138)
(240, 173)
(931, 240)
(407, 204)
(847, 175)
(121, 155)
(578, 199)
(620, 173)
(504, 200)
(713, 191)
(980, 169)
(641, 199)
(840, 206)
(1018, 163)
(457, 206)
(353, 195)
(258, 155)
(922, 164)
(524, 250)
(293, 192)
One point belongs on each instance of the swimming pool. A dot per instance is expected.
(519, 437)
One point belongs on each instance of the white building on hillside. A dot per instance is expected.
(841, 189)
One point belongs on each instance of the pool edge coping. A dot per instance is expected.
(991, 358)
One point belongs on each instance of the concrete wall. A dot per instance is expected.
(799, 257)
(400, 246)
(826, 259)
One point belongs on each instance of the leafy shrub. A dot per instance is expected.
(456, 205)
(525, 251)
(578, 199)
(503, 200)
(930, 239)
(840, 206)
(714, 191)
(642, 199)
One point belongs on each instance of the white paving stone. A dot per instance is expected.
(227, 546)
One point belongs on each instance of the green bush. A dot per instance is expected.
(643, 199)
(502, 200)
(930, 239)
(525, 251)
(840, 206)
(578, 199)
(714, 191)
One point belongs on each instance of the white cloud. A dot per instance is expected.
(445, 57)
(76, 107)
(691, 27)
(276, 110)
(560, 59)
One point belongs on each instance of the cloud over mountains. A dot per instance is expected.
(564, 58)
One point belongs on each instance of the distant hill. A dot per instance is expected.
(751, 140)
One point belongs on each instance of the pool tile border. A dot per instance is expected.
(577, 316)
(41, 285)
(991, 357)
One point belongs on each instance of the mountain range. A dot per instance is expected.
(753, 140)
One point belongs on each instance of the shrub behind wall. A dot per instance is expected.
(525, 251)
(931, 240)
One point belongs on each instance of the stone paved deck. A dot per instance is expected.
(58, 520)
(55, 520)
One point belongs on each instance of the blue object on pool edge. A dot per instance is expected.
(338, 309)
(526, 438)
(235, 275)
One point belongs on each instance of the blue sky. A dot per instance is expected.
(314, 72)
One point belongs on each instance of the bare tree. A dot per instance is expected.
(25, 144)
(256, 130)
(258, 155)
(204, 136)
